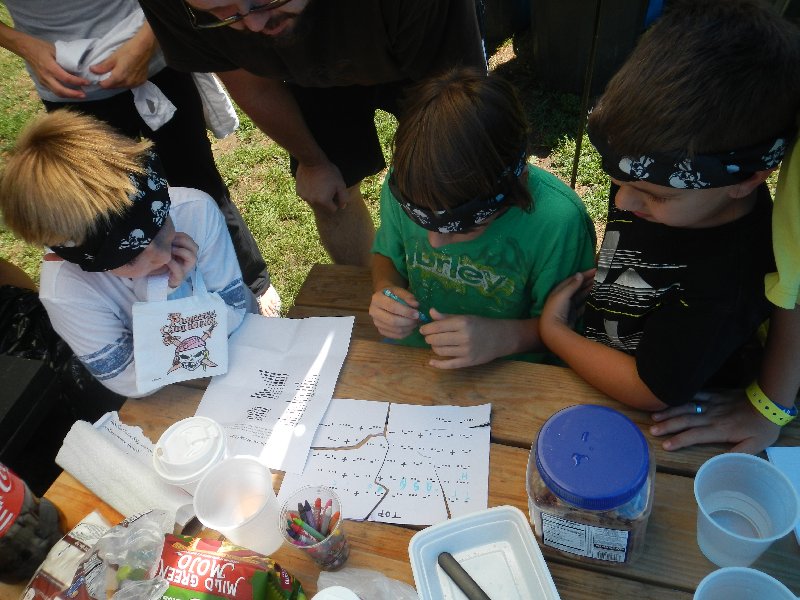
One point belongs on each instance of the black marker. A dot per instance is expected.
(461, 578)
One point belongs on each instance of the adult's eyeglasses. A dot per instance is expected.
(205, 20)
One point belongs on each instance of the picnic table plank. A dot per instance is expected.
(336, 286)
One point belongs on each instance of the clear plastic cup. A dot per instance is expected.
(330, 551)
(187, 450)
(235, 498)
(744, 504)
(741, 583)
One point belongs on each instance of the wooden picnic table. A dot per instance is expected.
(523, 396)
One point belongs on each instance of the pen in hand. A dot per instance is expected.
(389, 294)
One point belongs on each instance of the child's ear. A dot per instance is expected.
(745, 188)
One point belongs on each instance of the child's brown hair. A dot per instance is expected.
(67, 173)
(458, 134)
(710, 76)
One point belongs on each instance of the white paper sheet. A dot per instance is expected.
(787, 459)
(400, 463)
(281, 376)
(130, 439)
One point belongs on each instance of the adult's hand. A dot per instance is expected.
(272, 107)
(41, 57)
(322, 186)
(727, 418)
(128, 65)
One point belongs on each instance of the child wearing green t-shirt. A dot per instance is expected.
(472, 237)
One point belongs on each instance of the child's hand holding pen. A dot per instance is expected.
(395, 312)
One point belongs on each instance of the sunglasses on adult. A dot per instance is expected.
(205, 20)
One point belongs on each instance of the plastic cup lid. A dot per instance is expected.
(592, 456)
(187, 448)
(335, 592)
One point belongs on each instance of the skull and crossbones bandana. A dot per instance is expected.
(676, 170)
(465, 216)
(121, 238)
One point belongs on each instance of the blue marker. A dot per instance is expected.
(422, 316)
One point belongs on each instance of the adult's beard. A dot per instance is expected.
(303, 24)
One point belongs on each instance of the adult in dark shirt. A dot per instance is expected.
(311, 73)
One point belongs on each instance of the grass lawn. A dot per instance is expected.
(257, 170)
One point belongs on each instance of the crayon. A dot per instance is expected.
(302, 536)
(422, 316)
(334, 520)
(317, 514)
(326, 520)
(310, 530)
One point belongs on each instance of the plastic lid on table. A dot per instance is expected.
(187, 448)
(335, 592)
(593, 457)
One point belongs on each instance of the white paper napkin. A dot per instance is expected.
(787, 459)
(120, 480)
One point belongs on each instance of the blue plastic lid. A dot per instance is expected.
(592, 457)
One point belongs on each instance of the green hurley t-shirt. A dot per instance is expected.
(505, 273)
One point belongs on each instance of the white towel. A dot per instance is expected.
(120, 480)
(220, 116)
(76, 56)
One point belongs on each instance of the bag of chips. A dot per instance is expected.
(201, 569)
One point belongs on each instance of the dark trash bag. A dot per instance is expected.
(26, 332)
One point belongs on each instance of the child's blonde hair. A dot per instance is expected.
(66, 174)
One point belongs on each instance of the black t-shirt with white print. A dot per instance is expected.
(680, 300)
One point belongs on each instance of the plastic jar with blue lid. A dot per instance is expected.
(590, 485)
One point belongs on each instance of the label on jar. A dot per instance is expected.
(600, 543)
(12, 495)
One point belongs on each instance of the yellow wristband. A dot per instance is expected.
(771, 411)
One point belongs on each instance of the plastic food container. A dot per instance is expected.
(495, 546)
(187, 450)
(590, 485)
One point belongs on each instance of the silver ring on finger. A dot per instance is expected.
(699, 408)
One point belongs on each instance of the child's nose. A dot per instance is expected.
(163, 257)
(628, 198)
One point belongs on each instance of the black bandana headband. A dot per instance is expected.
(123, 237)
(698, 172)
(460, 218)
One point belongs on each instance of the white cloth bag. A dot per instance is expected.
(178, 340)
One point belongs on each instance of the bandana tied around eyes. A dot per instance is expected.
(465, 216)
(121, 238)
(698, 172)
